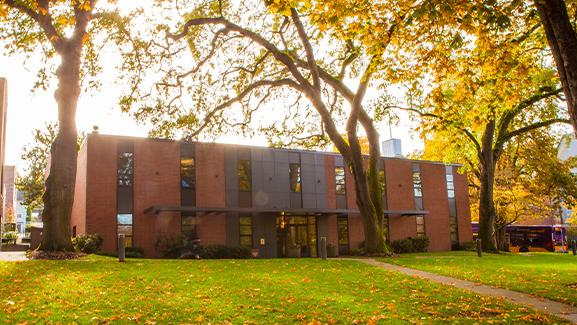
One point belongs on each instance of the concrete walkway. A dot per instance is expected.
(558, 309)
(13, 256)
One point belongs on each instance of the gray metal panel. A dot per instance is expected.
(294, 157)
(341, 201)
(320, 176)
(307, 158)
(230, 169)
(232, 198)
(308, 178)
(322, 229)
(232, 229)
(256, 153)
(452, 207)
(244, 154)
(257, 176)
(339, 161)
(267, 155)
(309, 201)
(268, 176)
(321, 201)
(281, 155)
(296, 200)
(282, 179)
(449, 170)
(320, 159)
(264, 226)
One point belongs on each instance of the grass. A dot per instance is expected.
(548, 275)
(99, 289)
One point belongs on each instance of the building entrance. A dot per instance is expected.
(296, 236)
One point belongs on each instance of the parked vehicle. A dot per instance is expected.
(535, 238)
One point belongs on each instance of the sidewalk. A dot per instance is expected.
(12, 256)
(558, 309)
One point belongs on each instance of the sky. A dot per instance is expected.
(29, 110)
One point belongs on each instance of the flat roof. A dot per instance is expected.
(156, 209)
(257, 147)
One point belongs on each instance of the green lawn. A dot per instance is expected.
(99, 289)
(549, 275)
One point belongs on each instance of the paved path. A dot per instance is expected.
(558, 309)
(13, 256)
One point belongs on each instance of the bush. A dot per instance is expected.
(222, 251)
(410, 245)
(171, 246)
(468, 246)
(88, 244)
(134, 252)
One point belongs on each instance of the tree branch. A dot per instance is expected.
(530, 127)
(308, 49)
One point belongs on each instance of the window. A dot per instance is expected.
(244, 179)
(124, 226)
(343, 230)
(125, 168)
(295, 177)
(417, 185)
(340, 185)
(420, 226)
(187, 172)
(382, 180)
(188, 225)
(450, 186)
(245, 223)
(386, 227)
(454, 230)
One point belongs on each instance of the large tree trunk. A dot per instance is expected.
(59, 195)
(487, 179)
(562, 40)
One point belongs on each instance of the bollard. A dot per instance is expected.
(121, 248)
(479, 248)
(324, 248)
(574, 247)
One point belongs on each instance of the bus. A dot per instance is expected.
(538, 238)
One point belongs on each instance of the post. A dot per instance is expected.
(121, 248)
(479, 248)
(324, 248)
(574, 247)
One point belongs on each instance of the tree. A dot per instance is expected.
(64, 29)
(309, 53)
(562, 41)
(36, 155)
(495, 90)
(31, 182)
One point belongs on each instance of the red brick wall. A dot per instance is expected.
(463, 210)
(330, 181)
(210, 192)
(333, 236)
(356, 230)
(101, 189)
(351, 195)
(435, 200)
(156, 182)
(78, 217)
(211, 228)
(399, 182)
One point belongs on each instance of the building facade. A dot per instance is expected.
(269, 200)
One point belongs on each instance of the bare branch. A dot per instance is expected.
(308, 49)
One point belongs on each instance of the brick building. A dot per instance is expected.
(267, 199)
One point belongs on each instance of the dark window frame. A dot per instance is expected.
(187, 172)
(249, 237)
(295, 183)
(244, 180)
(340, 181)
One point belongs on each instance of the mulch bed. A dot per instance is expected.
(42, 255)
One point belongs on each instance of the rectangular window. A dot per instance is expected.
(420, 226)
(125, 168)
(295, 177)
(417, 185)
(245, 224)
(188, 226)
(187, 173)
(244, 172)
(382, 180)
(340, 185)
(450, 186)
(343, 230)
(124, 226)
(386, 227)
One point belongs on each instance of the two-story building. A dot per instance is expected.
(262, 198)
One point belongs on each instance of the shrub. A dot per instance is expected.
(87, 243)
(10, 237)
(171, 246)
(468, 246)
(222, 251)
(410, 245)
(134, 252)
(357, 252)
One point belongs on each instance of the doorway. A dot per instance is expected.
(297, 236)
